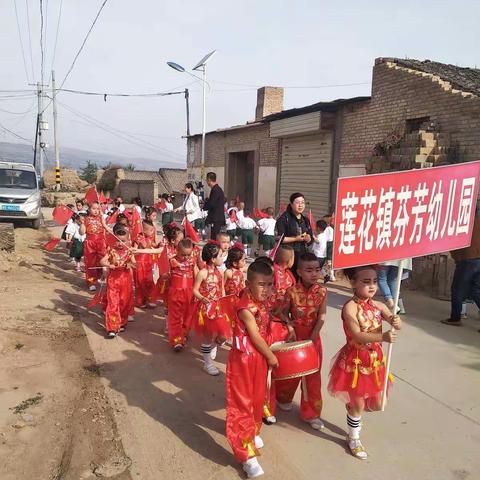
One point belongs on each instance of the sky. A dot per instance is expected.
(302, 43)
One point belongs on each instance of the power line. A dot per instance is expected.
(30, 40)
(21, 42)
(18, 113)
(121, 133)
(56, 35)
(13, 133)
(100, 94)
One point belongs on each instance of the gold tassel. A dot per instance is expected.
(266, 411)
(357, 362)
(390, 377)
(201, 321)
(250, 447)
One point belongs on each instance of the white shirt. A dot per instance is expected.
(320, 249)
(267, 226)
(223, 267)
(73, 229)
(329, 234)
(121, 208)
(139, 209)
(231, 225)
(168, 207)
(240, 216)
(247, 223)
(191, 206)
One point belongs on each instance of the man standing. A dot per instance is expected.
(466, 279)
(215, 206)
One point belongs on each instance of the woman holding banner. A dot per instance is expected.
(295, 228)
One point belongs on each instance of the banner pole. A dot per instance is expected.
(390, 345)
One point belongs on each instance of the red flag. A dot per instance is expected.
(135, 224)
(233, 216)
(96, 299)
(161, 205)
(190, 232)
(311, 220)
(112, 219)
(62, 214)
(273, 251)
(102, 198)
(51, 244)
(110, 239)
(163, 263)
(91, 195)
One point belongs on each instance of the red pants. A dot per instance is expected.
(94, 250)
(246, 386)
(144, 286)
(278, 333)
(180, 303)
(119, 299)
(311, 402)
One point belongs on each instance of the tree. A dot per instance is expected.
(89, 172)
(130, 167)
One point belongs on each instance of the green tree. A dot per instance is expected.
(130, 167)
(89, 172)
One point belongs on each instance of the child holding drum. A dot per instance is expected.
(357, 376)
(305, 310)
(247, 367)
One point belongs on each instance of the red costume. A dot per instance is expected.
(246, 381)
(94, 249)
(358, 369)
(144, 285)
(236, 283)
(205, 315)
(180, 300)
(161, 288)
(304, 306)
(119, 296)
(283, 280)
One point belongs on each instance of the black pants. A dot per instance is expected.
(215, 228)
(465, 284)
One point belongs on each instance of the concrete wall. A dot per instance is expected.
(147, 190)
(399, 94)
(267, 191)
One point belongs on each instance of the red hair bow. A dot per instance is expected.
(238, 245)
(214, 242)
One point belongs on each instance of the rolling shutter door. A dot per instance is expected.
(306, 168)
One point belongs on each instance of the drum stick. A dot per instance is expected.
(390, 345)
(304, 388)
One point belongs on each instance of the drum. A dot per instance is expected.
(295, 359)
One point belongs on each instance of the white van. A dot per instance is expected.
(20, 197)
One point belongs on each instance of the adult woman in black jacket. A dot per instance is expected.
(295, 227)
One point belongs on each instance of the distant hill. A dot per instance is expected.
(76, 158)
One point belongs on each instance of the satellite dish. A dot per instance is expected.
(204, 60)
(176, 66)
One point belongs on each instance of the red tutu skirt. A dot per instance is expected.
(357, 372)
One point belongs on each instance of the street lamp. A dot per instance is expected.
(201, 66)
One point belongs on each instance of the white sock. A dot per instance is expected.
(354, 426)
(206, 349)
(400, 304)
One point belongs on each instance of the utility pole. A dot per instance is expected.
(39, 130)
(187, 96)
(57, 152)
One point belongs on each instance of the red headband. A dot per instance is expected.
(214, 242)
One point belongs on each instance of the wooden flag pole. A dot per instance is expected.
(390, 345)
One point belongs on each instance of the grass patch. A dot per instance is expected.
(21, 407)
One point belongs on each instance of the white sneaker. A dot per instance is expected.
(271, 419)
(92, 288)
(252, 468)
(356, 448)
(211, 369)
(131, 318)
(316, 423)
(151, 305)
(111, 334)
(286, 407)
(259, 442)
(213, 353)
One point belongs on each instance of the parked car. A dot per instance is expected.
(20, 197)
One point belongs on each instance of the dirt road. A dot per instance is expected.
(169, 415)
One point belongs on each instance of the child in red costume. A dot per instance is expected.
(279, 330)
(207, 289)
(247, 367)
(144, 285)
(305, 309)
(119, 297)
(357, 375)
(234, 277)
(180, 294)
(94, 245)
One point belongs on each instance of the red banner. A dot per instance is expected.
(406, 214)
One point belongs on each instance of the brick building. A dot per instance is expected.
(419, 114)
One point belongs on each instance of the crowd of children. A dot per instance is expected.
(210, 292)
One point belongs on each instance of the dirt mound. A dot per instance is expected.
(70, 181)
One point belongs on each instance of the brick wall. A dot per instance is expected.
(218, 144)
(399, 94)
